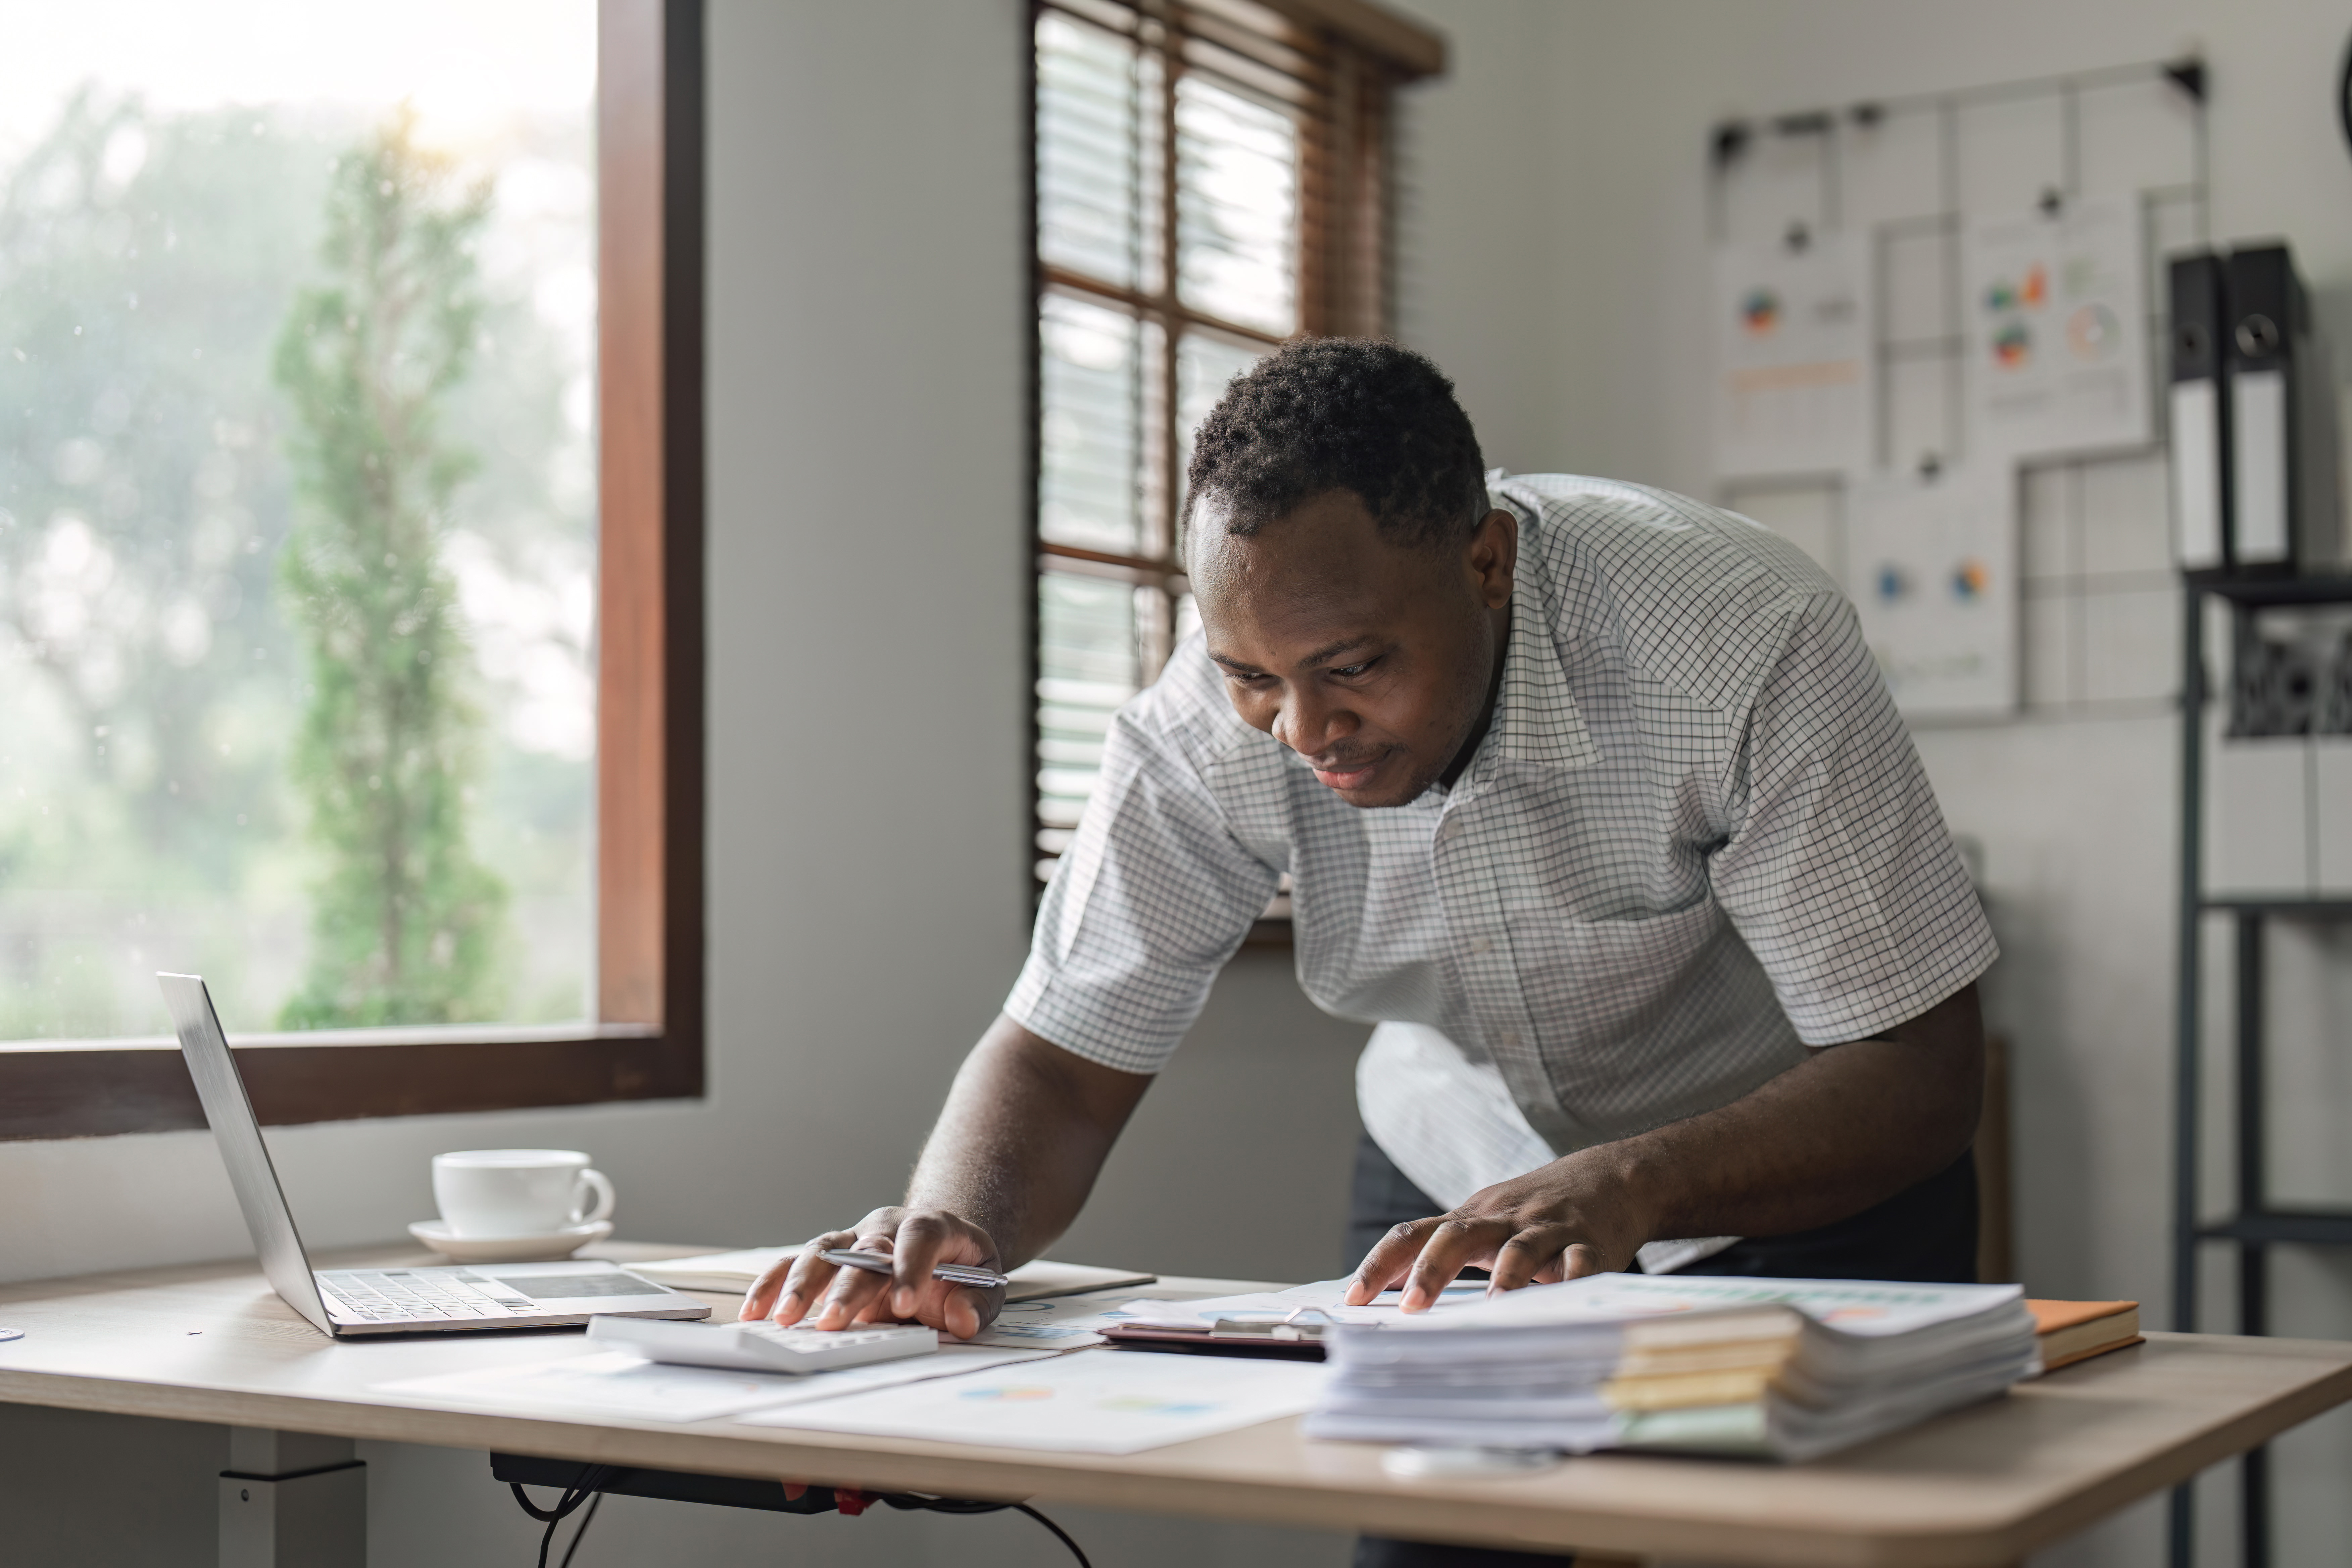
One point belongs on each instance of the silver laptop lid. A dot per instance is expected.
(238, 1134)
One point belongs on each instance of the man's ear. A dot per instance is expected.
(1493, 557)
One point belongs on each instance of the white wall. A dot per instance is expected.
(1479, 171)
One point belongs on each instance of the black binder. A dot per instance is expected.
(2200, 416)
(2283, 472)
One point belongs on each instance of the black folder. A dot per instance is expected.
(2200, 410)
(2283, 472)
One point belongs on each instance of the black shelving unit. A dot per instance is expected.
(2253, 1224)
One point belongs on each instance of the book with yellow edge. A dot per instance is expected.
(2069, 1332)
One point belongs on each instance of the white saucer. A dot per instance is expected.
(547, 1248)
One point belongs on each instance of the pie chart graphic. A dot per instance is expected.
(2092, 333)
(2012, 346)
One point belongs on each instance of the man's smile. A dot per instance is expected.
(1346, 772)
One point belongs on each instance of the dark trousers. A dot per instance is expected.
(1927, 1233)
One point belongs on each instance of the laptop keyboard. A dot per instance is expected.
(417, 1295)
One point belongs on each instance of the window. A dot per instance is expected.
(350, 571)
(1209, 182)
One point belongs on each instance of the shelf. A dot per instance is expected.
(2297, 908)
(2258, 593)
(2317, 1228)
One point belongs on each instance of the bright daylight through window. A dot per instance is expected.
(1138, 337)
(298, 512)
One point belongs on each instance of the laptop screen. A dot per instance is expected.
(238, 1134)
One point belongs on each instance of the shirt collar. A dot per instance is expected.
(1536, 718)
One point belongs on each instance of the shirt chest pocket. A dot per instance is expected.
(1640, 1021)
(1610, 983)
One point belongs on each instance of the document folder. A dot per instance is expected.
(2283, 472)
(2200, 417)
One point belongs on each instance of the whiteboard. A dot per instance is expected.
(1932, 187)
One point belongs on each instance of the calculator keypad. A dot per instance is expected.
(820, 1342)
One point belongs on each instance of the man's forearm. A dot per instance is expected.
(1833, 1136)
(1828, 1138)
(1012, 1157)
(1024, 1133)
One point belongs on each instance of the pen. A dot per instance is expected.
(953, 1273)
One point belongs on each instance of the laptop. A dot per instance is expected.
(348, 1302)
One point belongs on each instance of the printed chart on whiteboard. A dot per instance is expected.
(1933, 558)
(2058, 346)
(1793, 389)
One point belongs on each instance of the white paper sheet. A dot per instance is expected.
(1794, 369)
(617, 1383)
(716, 1270)
(1096, 1401)
(2056, 314)
(1326, 1295)
(1056, 1323)
(726, 1271)
(1332, 1292)
(1933, 570)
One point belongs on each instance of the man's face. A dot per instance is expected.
(1371, 659)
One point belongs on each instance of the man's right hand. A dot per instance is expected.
(1024, 1129)
(828, 1296)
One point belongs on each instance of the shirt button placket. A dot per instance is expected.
(1461, 899)
(1496, 998)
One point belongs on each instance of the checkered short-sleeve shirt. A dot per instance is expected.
(1695, 840)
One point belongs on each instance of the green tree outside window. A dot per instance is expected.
(408, 926)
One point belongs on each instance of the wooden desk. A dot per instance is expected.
(1984, 1486)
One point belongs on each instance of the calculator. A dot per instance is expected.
(761, 1347)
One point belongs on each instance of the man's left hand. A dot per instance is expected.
(1848, 1126)
(1560, 1221)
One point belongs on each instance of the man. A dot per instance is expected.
(1591, 798)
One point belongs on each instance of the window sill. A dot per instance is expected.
(88, 1088)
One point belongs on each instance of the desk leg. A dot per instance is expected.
(289, 1499)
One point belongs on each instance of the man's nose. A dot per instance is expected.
(1309, 720)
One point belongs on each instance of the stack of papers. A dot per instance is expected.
(1787, 1369)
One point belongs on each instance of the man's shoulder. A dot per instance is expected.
(1696, 596)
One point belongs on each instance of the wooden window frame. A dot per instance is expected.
(646, 1042)
(1364, 53)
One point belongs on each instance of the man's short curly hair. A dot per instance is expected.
(1342, 414)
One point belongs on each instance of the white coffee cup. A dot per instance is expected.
(489, 1192)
